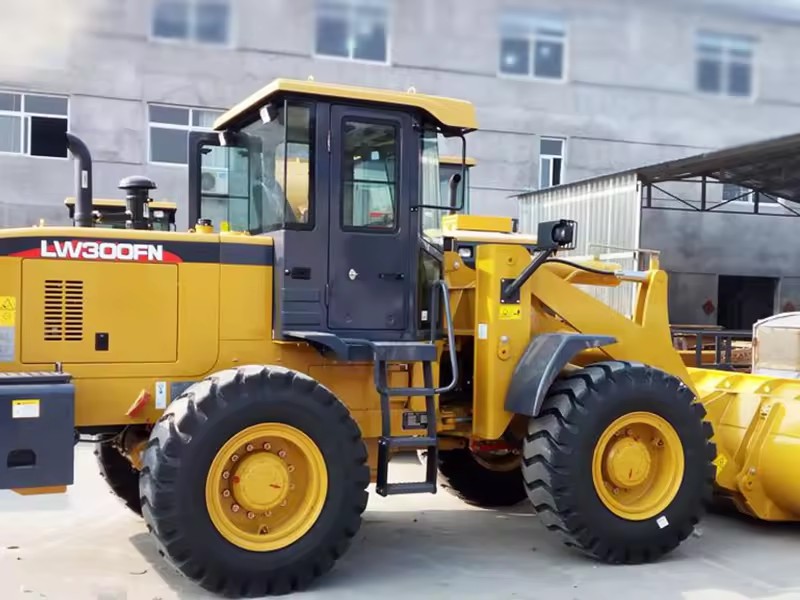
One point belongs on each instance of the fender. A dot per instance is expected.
(540, 364)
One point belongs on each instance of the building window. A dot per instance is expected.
(202, 21)
(353, 29)
(724, 64)
(736, 193)
(551, 162)
(532, 45)
(169, 131)
(33, 124)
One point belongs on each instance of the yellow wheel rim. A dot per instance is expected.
(637, 466)
(266, 487)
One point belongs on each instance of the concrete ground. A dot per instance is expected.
(85, 545)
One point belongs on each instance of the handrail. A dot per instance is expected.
(451, 336)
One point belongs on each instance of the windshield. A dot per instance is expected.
(262, 183)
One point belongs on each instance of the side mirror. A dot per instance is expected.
(556, 234)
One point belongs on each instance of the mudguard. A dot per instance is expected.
(543, 360)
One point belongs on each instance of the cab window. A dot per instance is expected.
(261, 183)
(369, 177)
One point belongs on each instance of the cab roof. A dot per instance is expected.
(448, 112)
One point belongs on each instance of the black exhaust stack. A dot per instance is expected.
(83, 181)
(137, 196)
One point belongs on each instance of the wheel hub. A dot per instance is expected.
(628, 462)
(261, 482)
(266, 487)
(638, 465)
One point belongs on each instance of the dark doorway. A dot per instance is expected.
(744, 300)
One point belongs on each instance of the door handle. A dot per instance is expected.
(394, 276)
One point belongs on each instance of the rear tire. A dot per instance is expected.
(179, 487)
(499, 485)
(565, 473)
(119, 474)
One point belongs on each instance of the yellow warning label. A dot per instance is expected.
(25, 409)
(8, 311)
(720, 463)
(510, 312)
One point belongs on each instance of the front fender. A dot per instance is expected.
(543, 360)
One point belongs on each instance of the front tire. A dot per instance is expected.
(619, 462)
(254, 481)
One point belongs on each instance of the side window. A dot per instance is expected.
(263, 182)
(369, 176)
(224, 193)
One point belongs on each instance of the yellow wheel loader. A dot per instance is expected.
(247, 383)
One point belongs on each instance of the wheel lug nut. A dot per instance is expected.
(615, 491)
(234, 458)
(267, 446)
(282, 453)
(226, 474)
(283, 503)
(249, 447)
(290, 468)
(251, 515)
(226, 493)
(235, 508)
(291, 486)
(268, 513)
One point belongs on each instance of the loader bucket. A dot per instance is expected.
(756, 422)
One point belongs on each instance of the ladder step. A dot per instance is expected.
(408, 441)
(410, 487)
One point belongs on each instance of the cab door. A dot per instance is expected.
(371, 174)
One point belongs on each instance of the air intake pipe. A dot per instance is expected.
(83, 181)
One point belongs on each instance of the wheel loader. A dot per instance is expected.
(244, 385)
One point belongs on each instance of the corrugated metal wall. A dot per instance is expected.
(607, 211)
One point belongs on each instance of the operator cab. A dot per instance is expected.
(346, 182)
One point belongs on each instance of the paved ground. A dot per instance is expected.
(86, 546)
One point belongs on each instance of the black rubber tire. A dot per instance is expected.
(119, 474)
(461, 475)
(558, 450)
(188, 436)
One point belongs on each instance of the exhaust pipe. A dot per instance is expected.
(83, 181)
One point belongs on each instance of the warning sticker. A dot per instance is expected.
(24, 409)
(720, 463)
(8, 311)
(510, 312)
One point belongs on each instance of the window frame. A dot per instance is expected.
(725, 43)
(352, 5)
(746, 197)
(26, 129)
(533, 16)
(543, 156)
(365, 229)
(191, 38)
(187, 128)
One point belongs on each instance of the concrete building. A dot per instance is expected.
(564, 90)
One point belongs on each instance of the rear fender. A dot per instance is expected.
(539, 366)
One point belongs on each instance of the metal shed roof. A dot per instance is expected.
(768, 166)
